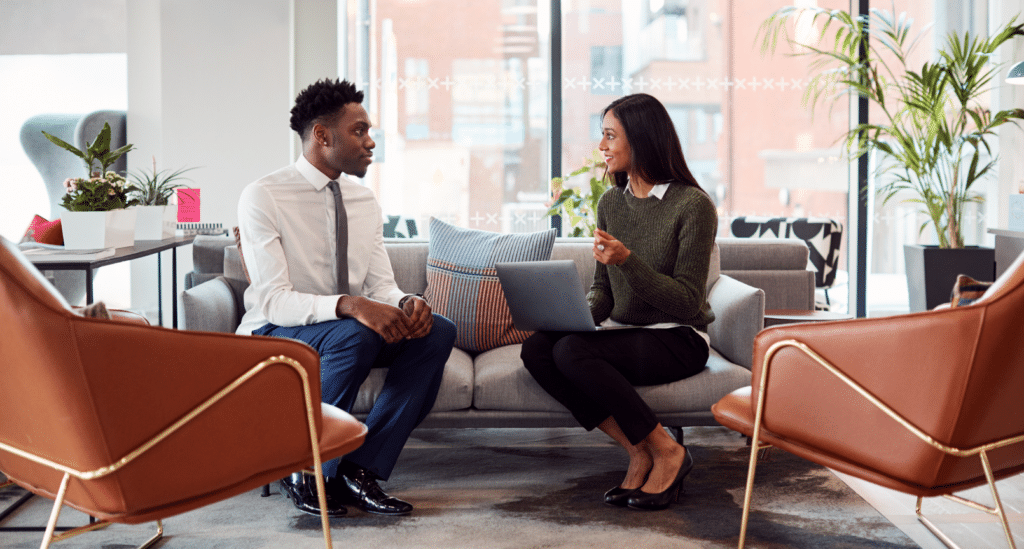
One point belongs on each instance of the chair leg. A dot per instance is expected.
(266, 491)
(755, 449)
(996, 510)
(156, 537)
(55, 513)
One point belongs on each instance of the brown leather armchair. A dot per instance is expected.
(927, 404)
(132, 423)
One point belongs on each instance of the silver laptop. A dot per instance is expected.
(546, 295)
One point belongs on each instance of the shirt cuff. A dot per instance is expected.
(326, 307)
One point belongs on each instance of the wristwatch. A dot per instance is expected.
(401, 302)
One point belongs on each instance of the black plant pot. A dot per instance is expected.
(932, 271)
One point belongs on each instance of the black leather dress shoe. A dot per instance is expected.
(360, 488)
(302, 491)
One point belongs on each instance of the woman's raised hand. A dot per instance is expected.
(607, 250)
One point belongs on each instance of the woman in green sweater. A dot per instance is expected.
(656, 231)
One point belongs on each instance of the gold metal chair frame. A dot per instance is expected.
(50, 537)
(980, 451)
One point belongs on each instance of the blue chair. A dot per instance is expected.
(55, 165)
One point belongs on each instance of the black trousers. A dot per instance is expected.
(593, 373)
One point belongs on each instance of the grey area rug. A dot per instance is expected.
(516, 488)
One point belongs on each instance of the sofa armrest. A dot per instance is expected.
(214, 305)
(783, 289)
(207, 259)
(739, 316)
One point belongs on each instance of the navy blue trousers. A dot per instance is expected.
(348, 351)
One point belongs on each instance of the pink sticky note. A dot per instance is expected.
(188, 205)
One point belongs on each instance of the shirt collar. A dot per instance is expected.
(658, 191)
(311, 173)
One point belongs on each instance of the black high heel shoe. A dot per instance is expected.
(619, 497)
(656, 502)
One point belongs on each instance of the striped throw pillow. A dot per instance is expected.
(462, 283)
(966, 291)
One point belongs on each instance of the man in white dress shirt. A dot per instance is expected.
(289, 242)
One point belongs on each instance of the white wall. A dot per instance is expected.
(59, 27)
(209, 85)
(315, 47)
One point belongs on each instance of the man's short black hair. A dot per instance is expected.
(322, 102)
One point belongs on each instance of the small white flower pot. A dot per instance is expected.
(155, 222)
(95, 230)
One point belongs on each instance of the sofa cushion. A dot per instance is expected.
(462, 283)
(743, 254)
(697, 393)
(456, 391)
(503, 383)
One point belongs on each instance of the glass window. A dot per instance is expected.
(473, 149)
(605, 69)
(745, 132)
(473, 112)
(417, 98)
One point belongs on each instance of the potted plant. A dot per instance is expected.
(152, 191)
(577, 206)
(931, 135)
(97, 213)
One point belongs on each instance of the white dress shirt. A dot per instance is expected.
(288, 235)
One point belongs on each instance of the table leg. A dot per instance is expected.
(174, 288)
(159, 290)
(88, 286)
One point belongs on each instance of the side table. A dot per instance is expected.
(776, 317)
(142, 248)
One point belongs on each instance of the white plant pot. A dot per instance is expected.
(155, 222)
(94, 230)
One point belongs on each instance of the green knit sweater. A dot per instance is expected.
(664, 279)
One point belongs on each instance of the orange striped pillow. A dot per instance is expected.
(462, 283)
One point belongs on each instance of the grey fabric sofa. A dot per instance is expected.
(493, 389)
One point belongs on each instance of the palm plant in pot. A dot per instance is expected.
(153, 192)
(931, 139)
(98, 214)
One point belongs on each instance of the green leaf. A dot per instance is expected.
(64, 145)
(101, 145)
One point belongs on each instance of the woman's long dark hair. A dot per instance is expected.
(656, 154)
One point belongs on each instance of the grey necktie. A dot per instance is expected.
(341, 220)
